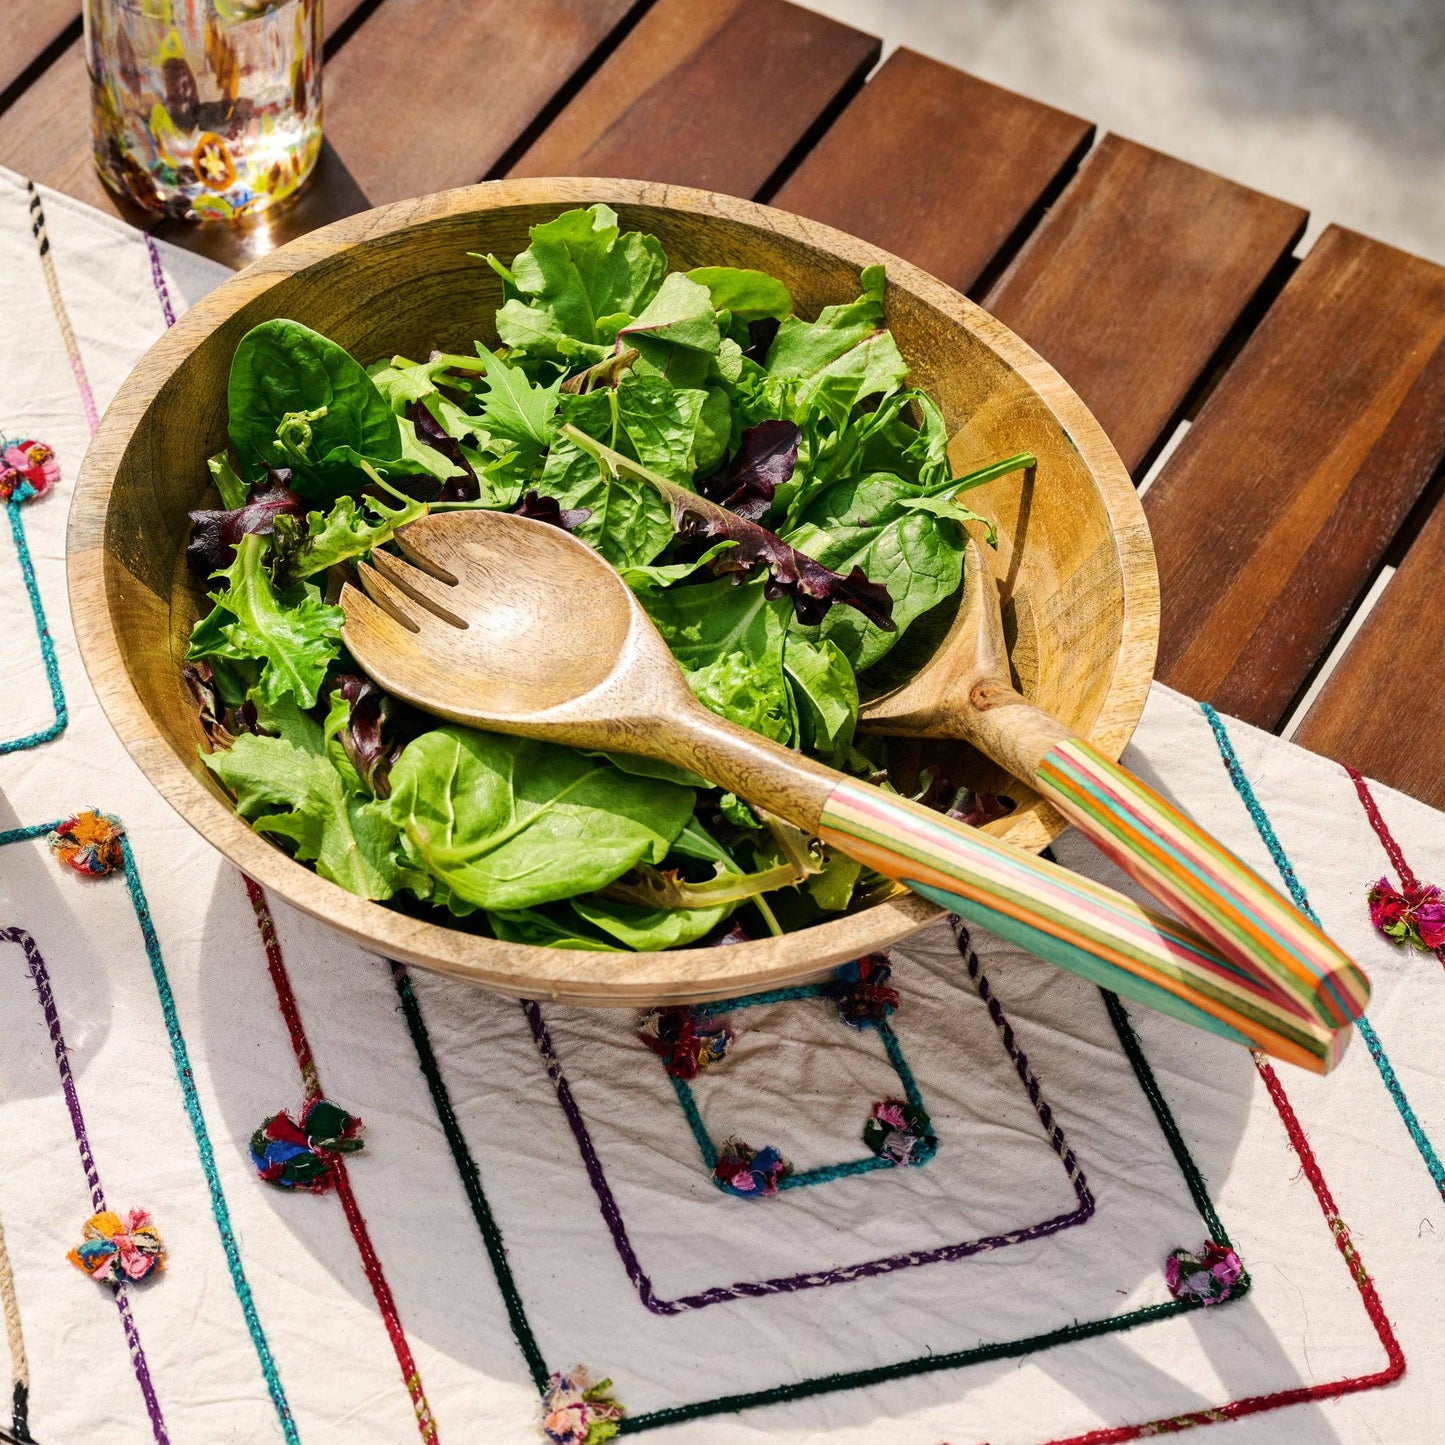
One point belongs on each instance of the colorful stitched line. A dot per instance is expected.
(1159, 846)
(57, 305)
(470, 1177)
(1265, 828)
(47, 644)
(219, 1209)
(40, 976)
(1303, 1394)
(1392, 849)
(158, 280)
(15, 1341)
(311, 1084)
(823, 1173)
(789, 1284)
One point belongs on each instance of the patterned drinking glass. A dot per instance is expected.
(207, 109)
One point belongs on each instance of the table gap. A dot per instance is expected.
(567, 91)
(1005, 254)
(42, 62)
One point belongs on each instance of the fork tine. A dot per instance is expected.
(388, 599)
(438, 597)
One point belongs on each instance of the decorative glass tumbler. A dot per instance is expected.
(205, 109)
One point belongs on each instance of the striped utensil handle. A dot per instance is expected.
(1072, 921)
(1252, 924)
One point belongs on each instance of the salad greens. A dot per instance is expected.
(774, 493)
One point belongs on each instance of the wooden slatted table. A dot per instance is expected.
(1313, 390)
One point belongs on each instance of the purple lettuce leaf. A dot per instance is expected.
(765, 460)
(215, 534)
(431, 433)
(364, 737)
(548, 509)
(222, 725)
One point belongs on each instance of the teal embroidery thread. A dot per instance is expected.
(842, 1380)
(47, 644)
(1265, 829)
(823, 1173)
(191, 1098)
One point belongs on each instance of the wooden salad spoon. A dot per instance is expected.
(965, 690)
(514, 625)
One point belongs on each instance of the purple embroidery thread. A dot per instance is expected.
(158, 280)
(40, 975)
(788, 1284)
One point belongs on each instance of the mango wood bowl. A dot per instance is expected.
(1074, 551)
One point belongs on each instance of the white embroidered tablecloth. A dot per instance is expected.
(534, 1193)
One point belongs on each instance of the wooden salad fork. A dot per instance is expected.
(513, 625)
(965, 690)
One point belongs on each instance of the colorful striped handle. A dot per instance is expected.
(1252, 924)
(1072, 921)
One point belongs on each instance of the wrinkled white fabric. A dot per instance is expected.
(797, 1078)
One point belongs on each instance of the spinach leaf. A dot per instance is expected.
(627, 521)
(748, 295)
(533, 925)
(295, 791)
(661, 421)
(645, 928)
(296, 399)
(802, 349)
(293, 632)
(676, 336)
(508, 823)
(577, 282)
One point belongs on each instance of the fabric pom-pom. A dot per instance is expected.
(88, 842)
(1208, 1276)
(686, 1040)
(300, 1156)
(862, 992)
(114, 1250)
(900, 1133)
(749, 1173)
(1414, 915)
(577, 1412)
(27, 469)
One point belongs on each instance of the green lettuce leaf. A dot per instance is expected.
(350, 529)
(293, 632)
(293, 790)
(650, 928)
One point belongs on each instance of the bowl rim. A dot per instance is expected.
(526, 970)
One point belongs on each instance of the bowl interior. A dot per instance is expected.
(1073, 551)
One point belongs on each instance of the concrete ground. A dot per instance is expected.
(1336, 105)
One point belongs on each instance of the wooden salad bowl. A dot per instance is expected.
(1081, 609)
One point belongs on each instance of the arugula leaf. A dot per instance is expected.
(517, 408)
(576, 283)
(289, 381)
(293, 632)
(748, 295)
(507, 823)
(295, 792)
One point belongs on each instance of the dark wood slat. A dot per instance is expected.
(431, 94)
(1276, 510)
(937, 166)
(31, 28)
(710, 93)
(1134, 281)
(1380, 710)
